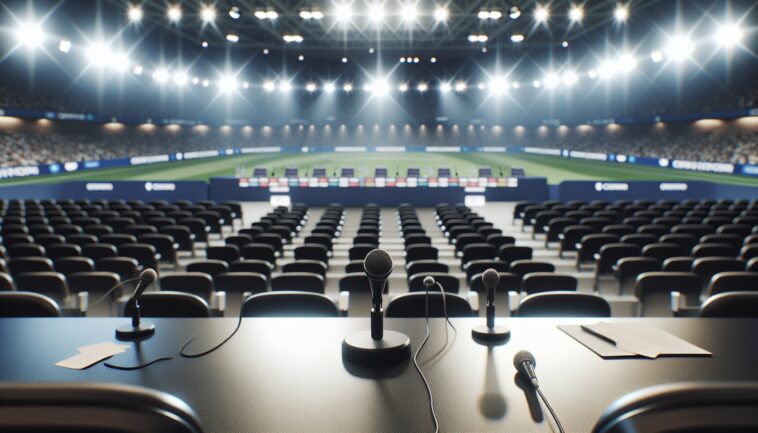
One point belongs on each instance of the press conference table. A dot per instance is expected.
(288, 375)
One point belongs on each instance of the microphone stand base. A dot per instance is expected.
(362, 349)
(129, 332)
(494, 334)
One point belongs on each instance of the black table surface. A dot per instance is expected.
(288, 375)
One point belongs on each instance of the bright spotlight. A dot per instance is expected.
(234, 13)
(422, 87)
(30, 35)
(460, 86)
(515, 85)
(231, 37)
(347, 87)
(541, 14)
(621, 14)
(310, 87)
(514, 12)
(195, 81)
(552, 81)
(329, 87)
(285, 86)
(441, 13)
(134, 13)
(174, 13)
(377, 87)
(376, 13)
(161, 75)
(205, 83)
(245, 85)
(445, 87)
(137, 70)
(680, 48)
(208, 14)
(728, 35)
(536, 84)
(344, 13)
(517, 38)
(403, 87)
(64, 46)
(627, 63)
(607, 69)
(227, 84)
(592, 74)
(180, 78)
(410, 13)
(656, 56)
(570, 78)
(576, 13)
(98, 54)
(269, 86)
(498, 86)
(119, 62)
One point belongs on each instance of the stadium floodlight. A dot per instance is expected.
(266, 14)
(195, 81)
(347, 87)
(518, 37)
(460, 86)
(180, 78)
(570, 78)
(477, 38)
(64, 46)
(292, 39)
(344, 60)
(498, 86)
(98, 54)
(607, 69)
(174, 13)
(621, 13)
(536, 84)
(403, 87)
(565, 44)
(245, 85)
(161, 75)
(234, 13)
(728, 35)
(627, 63)
(134, 13)
(138, 70)
(30, 35)
(481, 86)
(285, 86)
(552, 81)
(272, 15)
(402, 60)
(422, 87)
(576, 13)
(269, 86)
(592, 74)
(205, 83)
(343, 13)
(493, 14)
(441, 14)
(514, 12)
(310, 87)
(119, 61)
(445, 87)
(409, 13)
(541, 14)
(376, 13)
(329, 87)
(680, 48)
(227, 84)
(231, 37)
(433, 60)
(204, 44)
(208, 14)
(656, 56)
(515, 85)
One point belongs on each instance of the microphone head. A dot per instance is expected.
(521, 357)
(428, 281)
(490, 277)
(148, 276)
(378, 264)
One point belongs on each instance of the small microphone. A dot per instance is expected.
(524, 362)
(378, 267)
(429, 281)
(137, 329)
(490, 332)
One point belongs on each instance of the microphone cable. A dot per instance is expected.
(121, 284)
(212, 349)
(423, 343)
(550, 408)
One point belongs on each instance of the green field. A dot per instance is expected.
(556, 169)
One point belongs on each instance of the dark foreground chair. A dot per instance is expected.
(414, 305)
(289, 304)
(563, 304)
(684, 407)
(731, 304)
(173, 304)
(27, 304)
(101, 407)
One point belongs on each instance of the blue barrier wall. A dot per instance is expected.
(649, 190)
(195, 190)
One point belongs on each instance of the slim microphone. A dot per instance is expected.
(524, 362)
(377, 346)
(137, 329)
(429, 281)
(490, 332)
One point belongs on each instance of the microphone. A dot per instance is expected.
(377, 346)
(524, 362)
(429, 281)
(137, 329)
(490, 332)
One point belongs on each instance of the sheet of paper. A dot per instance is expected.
(92, 354)
(666, 343)
(624, 340)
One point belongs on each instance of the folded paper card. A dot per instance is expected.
(618, 340)
(92, 354)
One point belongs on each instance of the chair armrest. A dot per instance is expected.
(578, 245)
(246, 295)
(473, 299)
(343, 302)
(513, 301)
(596, 256)
(218, 301)
(82, 302)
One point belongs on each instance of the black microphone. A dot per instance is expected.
(376, 346)
(524, 362)
(490, 332)
(137, 329)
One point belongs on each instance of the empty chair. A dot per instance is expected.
(126, 267)
(677, 264)
(197, 283)
(273, 239)
(139, 229)
(354, 266)
(508, 283)
(424, 266)
(256, 251)
(325, 240)
(523, 267)
(312, 252)
(99, 251)
(590, 245)
(607, 257)
(237, 283)
(448, 282)
(50, 284)
(312, 266)
(21, 265)
(698, 230)
(731, 304)
(27, 304)
(173, 304)
(116, 239)
(714, 250)
(499, 240)
(511, 253)
(662, 251)
(357, 283)
(43, 239)
(96, 283)
(211, 267)
(627, 269)
(359, 251)
(415, 305)
(249, 265)
(548, 282)
(420, 252)
(684, 240)
(478, 266)
(289, 304)
(563, 304)
(26, 250)
(739, 281)
(478, 251)
(653, 290)
(639, 239)
(183, 237)
(723, 238)
(164, 245)
(298, 281)
(197, 227)
(12, 239)
(728, 407)
(707, 267)
(238, 240)
(145, 254)
(6, 283)
(226, 253)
